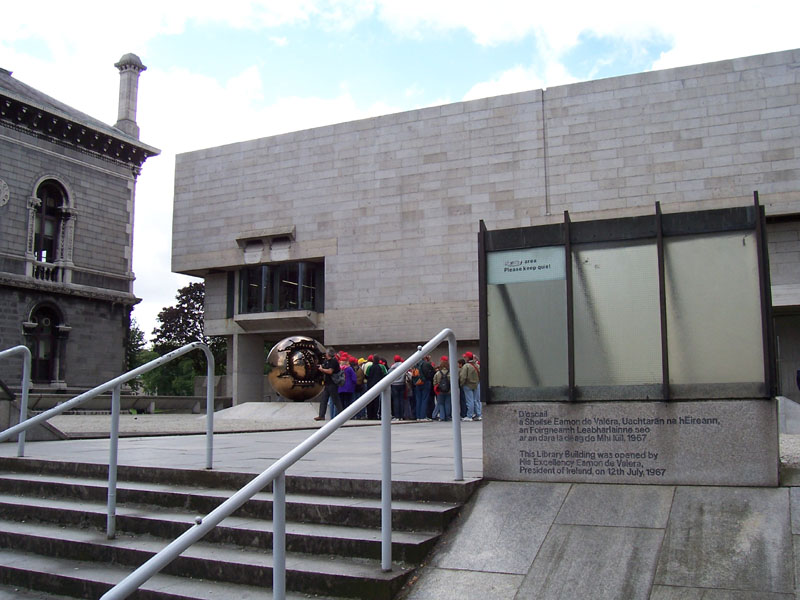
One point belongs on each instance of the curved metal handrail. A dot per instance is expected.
(276, 474)
(26, 385)
(115, 386)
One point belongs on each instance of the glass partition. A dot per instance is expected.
(714, 309)
(616, 312)
(526, 305)
(668, 306)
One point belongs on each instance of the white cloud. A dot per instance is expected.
(180, 110)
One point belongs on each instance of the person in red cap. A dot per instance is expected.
(469, 380)
(348, 388)
(441, 387)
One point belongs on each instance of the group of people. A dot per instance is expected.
(422, 393)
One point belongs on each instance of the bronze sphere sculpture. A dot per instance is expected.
(292, 367)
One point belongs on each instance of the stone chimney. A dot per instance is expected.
(129, 68)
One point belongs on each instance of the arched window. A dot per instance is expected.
(47, 220)
(51, 226)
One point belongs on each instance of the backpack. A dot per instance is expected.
(375, 373)
(338, 378)
(416, 378)
(444, 382)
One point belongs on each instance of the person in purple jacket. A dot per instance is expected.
(348, 388)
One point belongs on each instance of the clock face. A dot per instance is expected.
(4, 193)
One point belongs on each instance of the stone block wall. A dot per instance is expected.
(393, 203)
(99, 192)
(95, 305)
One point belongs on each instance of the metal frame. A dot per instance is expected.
(276, 473)
(648, 227)
(115, 386)
(26, 385)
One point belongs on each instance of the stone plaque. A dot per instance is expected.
(716, 442)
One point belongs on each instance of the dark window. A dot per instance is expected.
(285, 286)
(47, 221)
(43, 344)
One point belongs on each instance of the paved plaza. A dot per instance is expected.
(250, 437)
(513, 541)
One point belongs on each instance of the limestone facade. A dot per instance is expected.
(391, 205)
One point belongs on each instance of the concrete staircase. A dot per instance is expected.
(53, 520)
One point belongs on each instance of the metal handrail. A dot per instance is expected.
(115, 385)
(276, 474)
(26, 385)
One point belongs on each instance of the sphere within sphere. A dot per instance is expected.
(293, 367)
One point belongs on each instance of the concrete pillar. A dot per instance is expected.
(247, 368)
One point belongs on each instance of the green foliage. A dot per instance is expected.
(176, 378)
(134, 347)
(179, 325)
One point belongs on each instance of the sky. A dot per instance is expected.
(223, 72)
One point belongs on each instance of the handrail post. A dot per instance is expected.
(279, 537)
(275, 474)
(455, 407)
(23, 403)
(26, 382)
(111, 526)
(386, 482)
(209, 407)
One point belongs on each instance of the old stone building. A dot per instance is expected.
(364, 234)
(67, 188)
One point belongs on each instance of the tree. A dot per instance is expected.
(134, 351)
(179, 325)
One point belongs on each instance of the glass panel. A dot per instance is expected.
(309, 286)
(250, 290)
(714, 309)
(616, 314)
(527, 318)
(288, 287)
(266, 303)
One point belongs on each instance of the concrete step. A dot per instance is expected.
(311, 538)
(13, 592)
(312, 574)
(305, 507)
(21, 576)
(53, 509)
(456, 491)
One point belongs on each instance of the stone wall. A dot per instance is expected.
(95, 306)
(393, 203)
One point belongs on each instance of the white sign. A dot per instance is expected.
(524, 265)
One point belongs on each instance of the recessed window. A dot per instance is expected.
(47, 220)
(281, 287)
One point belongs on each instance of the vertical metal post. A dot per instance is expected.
(570, 308)
(764, 280)
(386, 482)
(23, 407)
(209, 408)
(455, 407)
(111, 527)
(279, 537)
(662, 302)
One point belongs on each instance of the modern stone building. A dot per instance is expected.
(67, 186)
(364, 234)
